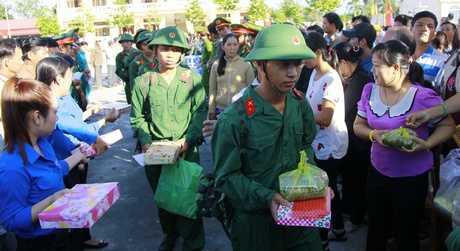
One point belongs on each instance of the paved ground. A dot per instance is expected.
(132, 223)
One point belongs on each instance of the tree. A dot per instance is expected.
(194, 13)
(323, 6)
(48, 22)
(153, 19)
(28, 8)
(277, 16)
(257, 10)
(227, 5)
(84, 20)
(119, 16)
(2, 12)
(292, 11)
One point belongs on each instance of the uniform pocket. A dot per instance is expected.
(259, 143)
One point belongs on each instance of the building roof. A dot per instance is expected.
(23, 27)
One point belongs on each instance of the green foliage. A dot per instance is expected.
(313, 16)
(194, 13)
(8, 9)
(84, 20)
(119, 16)
(323, 6)
(227, 5)
(28, 8)
(48, 22)
(290, 11)
(277, 16)
(153, 19)
(257, 10)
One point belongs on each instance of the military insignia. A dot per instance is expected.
(183, 76)
(172, 35)
(141, 61)
(153, 78)
(152, 65)
(248, 49)
(217, 21)
(295, 40)
(250, 108)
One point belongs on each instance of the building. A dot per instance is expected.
(19, 28)
(147, 14)
(441, 8)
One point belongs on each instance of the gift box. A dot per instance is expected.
(119, 109)
(108, 138)
(160, 153)
(81, 208)
(307, 213)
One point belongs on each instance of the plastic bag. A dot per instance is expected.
(306, 182)
(178, 187)
(449, 182)
(456, 212)
(399, 138)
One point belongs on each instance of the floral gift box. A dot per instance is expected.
(307, 213)
(81, 208)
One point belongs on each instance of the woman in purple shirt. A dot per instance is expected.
(398, 177)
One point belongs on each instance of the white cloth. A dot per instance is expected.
(331, 141)
(239, 94)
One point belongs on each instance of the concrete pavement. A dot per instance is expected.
(132, 222)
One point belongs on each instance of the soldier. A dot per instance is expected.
(253, 30)
(144, 58)
(175, 110)
(123, 60)
(208, 53)
(277, 123)
(242, 32)
(223, 28)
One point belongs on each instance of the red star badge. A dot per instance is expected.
(250, 108)
(172, 35)
(295, 40)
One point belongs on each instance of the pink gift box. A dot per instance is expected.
(160, 153)
(81, 208)
(119, 109)
(307, 213)
(108, 138)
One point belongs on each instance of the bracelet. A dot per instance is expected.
(446, 112)
(370, 136)
(429, 146)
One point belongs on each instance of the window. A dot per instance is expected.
(100, 32)
(455, 10)
(99, 2)
(73, 3)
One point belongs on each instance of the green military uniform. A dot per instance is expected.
(134, 67)
(208, 50)
(253, 143)
(122, 61)
(174, 111)
(147, 67)
(244, 51)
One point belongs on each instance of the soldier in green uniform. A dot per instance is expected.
(144, 58)
(169, 105)
(123, 60)
(259, 137)
(206, 54)
(253, 30)
(242, 32)
(223, 28)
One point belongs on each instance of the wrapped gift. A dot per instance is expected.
(307, 213)
(160, 153)
(108, 138)
(119, 109)
(81, 208)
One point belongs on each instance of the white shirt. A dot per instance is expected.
(331, 141)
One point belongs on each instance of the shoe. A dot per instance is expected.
(168, 242)
(335, 236)
(100, 244)
(325, 245)
(350, 227)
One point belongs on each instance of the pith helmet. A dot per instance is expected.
(126, 37)
(170, 36)
(280, 42)
(145, 35)
(138, 32)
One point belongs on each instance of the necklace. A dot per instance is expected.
(386, 99)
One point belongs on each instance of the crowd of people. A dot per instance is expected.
(264, 94)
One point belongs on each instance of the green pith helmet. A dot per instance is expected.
(136, 35)
(280, 42)
(126, 37)
(170, 36)
(152, 37)
(145, 35)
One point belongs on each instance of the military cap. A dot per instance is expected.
(170, 36)
(152, 37)
(280, 42)
(126, 37)
(136, 35)
(66, 38)
(253, 28)
(145, 35)
(201, 29)
(239, 29)
(220, 21)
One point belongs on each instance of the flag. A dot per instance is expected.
(388, 14)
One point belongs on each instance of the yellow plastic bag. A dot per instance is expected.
(306, 182)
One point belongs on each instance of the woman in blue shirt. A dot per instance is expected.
(31, 178)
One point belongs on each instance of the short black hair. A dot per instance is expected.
(424, 14)
(212, 29)
(333, 18)
(83, 43)
(447, 22)
(316, 28)
(402, 18)
(8, 48)
(51, 42)
(32, 42)
(363, 18)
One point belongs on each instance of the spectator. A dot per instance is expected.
(332, 26)
(110, 54)
(402, 20)
(450, 30)
(97, 60)
(52, 45)
(440, 42)
(315, 28)
(34, 49)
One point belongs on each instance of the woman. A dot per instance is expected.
(56, 72)
(82, 77)
(357, 160)
(228, 76)
(398, 178)
(31, 177)
(325, 95)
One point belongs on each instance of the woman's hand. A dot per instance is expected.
(417, 119)
(81, 156)
(100, 146)
(420, 145)
(112, 116)
(377, 136)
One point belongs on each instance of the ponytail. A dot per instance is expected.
(221, 65)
